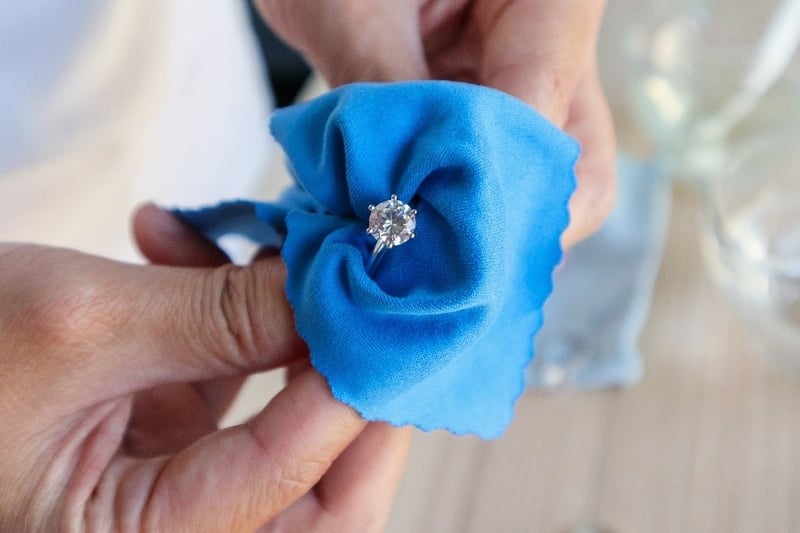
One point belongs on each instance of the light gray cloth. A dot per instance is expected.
(603, 290)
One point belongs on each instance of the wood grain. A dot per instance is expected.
(708, 442)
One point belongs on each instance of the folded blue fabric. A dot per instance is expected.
(440, 334)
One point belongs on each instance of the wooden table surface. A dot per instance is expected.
(709, 441)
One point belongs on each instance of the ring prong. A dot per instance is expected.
(391, 224)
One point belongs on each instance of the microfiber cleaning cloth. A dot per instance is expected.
(439, 333)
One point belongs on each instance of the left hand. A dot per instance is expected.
(114, 379)
(541, 51)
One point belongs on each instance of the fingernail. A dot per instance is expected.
(164, 222)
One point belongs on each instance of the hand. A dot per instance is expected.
(541, 51)
(115, 376)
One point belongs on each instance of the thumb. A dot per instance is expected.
(541, 64)
(352, 41)
(239, 478)
(99, 323)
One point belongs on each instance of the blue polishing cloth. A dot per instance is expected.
(440, 334)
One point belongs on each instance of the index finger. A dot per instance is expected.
(538, 50)
(235, 479)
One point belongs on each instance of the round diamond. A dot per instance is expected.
(392, 222)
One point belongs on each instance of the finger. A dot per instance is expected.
(356, 493)
(538, 50)
(166, 240)
(166, 419)
(239, 478)
(362, 482)
(591, 123)
(349, 41)
(117, 328)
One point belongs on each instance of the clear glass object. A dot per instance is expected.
(687, 79)
(752, 240)
(708, 72)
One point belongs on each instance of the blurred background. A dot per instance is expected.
(286, 70)
(664, 396)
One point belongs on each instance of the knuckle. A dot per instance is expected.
(300, 477)
(57, 306)
(75, 316)
(56, 321)
(557, 89)
(289, 475)
(549, 90)
(230, 316)
(245, 320)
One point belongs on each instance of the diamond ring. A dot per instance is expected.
(391, 223)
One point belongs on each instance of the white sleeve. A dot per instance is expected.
(104, 105)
